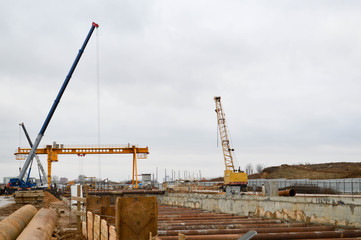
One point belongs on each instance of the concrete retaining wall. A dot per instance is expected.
(339, 211)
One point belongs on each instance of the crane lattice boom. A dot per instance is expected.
(223, 132)
(234, 180)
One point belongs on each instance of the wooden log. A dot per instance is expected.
(96, 227)
(90, 225)
(104, 230)
(83, 228)
(112, 233)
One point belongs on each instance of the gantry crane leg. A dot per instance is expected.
(49, 171)
(133, 172)
(135, 168)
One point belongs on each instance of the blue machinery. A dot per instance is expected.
(19, 182)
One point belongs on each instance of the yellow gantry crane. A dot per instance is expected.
(232, 176)
(53, 150)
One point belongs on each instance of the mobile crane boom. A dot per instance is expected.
(19, 180)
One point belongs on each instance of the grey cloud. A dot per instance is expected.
(288, 73)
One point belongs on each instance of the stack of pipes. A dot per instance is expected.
(28, 223)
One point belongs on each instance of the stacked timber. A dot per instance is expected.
(31, 196)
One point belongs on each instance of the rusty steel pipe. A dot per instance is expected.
(199, 218)
(231, 226)
(348, 238)
(41, 227)
(205, 237)
(292, 235)
(287, 193)
(11, 227)
(244, 230)
(308, 235)
(227, 221)
(200, 214)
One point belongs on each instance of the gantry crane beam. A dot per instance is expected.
(54, 150)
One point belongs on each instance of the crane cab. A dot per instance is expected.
(233, 178)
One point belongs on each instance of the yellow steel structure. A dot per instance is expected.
(53, 151)
(93, 182)
(231, 175)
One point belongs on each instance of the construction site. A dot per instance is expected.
(205, 196)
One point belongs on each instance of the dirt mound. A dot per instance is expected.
(49, 198)
(311, 171)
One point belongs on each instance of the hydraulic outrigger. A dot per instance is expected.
(19, 182)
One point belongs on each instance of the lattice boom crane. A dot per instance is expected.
(232, 176)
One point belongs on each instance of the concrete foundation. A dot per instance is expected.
(338, 210)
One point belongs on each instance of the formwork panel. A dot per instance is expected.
(136, 217)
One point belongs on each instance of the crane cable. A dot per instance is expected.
(19, 144)
(217, 133)
(81, 172)
(98, 100)
(235, 161)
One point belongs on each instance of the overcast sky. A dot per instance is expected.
(288, 73)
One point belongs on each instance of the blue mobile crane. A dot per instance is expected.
(19, 182)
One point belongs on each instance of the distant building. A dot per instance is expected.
(146, 179)
(7, 179)
(63, 180)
